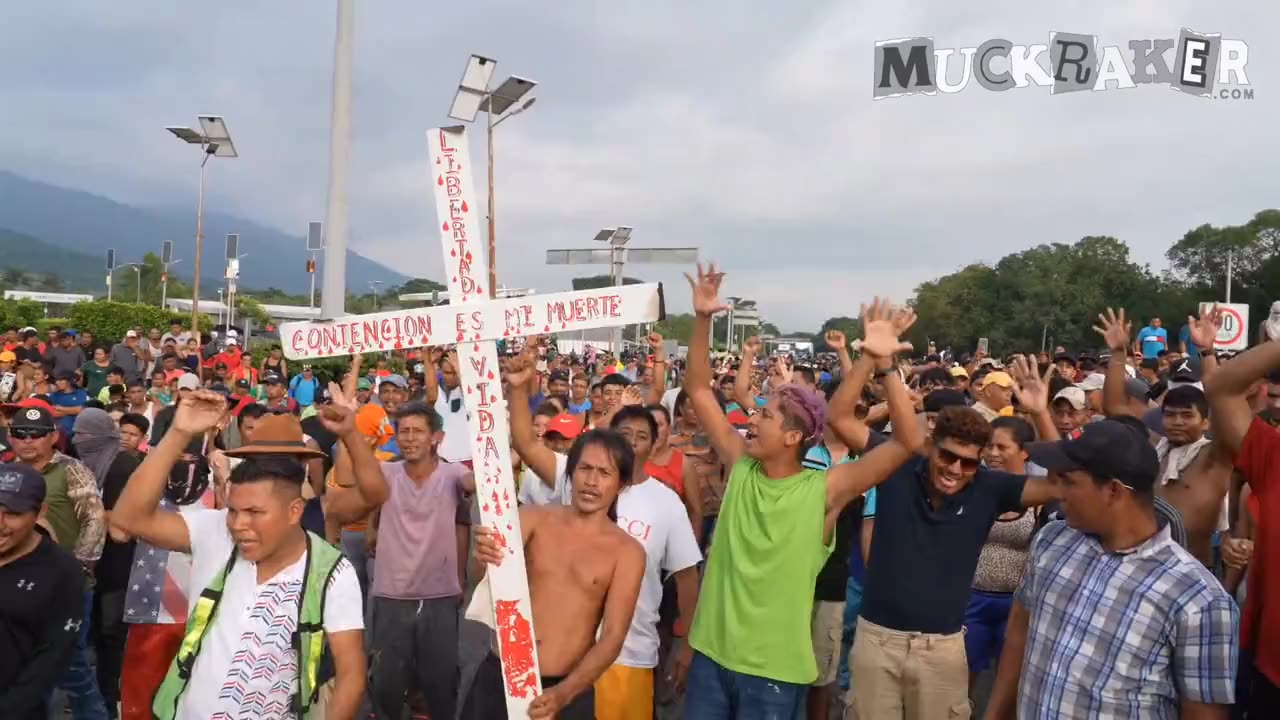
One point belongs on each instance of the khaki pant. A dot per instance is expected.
(913, 676)
(828, 626)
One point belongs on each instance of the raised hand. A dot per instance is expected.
(752, 346)
(882, 326)
(631, 396)
(1115, 330)
(655, 343)
(1029, 386)
(836, 340)
(706, 291)
(200, 411)
(520, 370)
(339, 416)
(1203, 333)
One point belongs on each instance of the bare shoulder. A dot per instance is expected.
(629, 550)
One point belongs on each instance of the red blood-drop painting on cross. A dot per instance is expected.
(517, 650)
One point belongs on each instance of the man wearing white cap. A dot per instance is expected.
(232, 356)
(128, 356)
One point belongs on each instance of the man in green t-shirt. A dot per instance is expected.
(751, 643)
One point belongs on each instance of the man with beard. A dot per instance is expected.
(41, 611)
(582, 601)
(1195, 473)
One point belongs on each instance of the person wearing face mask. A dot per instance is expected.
(97, 444)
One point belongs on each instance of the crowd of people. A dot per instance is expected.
(873, 533)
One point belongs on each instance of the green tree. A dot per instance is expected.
(50, 283)
(15, 277)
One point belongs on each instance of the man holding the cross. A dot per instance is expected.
(573, 594)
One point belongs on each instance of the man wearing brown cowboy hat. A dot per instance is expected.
(274, 595)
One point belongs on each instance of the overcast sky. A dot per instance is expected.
(744, 128)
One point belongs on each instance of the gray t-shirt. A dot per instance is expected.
(417, 545)
(62, 360)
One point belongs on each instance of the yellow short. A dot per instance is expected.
(625, 693)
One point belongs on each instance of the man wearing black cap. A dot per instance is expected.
(67, 401)
(277, 397)
(41, 612)
(1112, 617)
(75, 515)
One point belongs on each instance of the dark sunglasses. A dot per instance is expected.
(948, 458)
(28, 433)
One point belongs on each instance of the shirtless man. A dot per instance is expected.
(584, 573)
(1195, 472)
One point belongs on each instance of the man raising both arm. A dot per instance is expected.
(751, 634)
(274, 594)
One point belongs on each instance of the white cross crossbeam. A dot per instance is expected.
(473, 322)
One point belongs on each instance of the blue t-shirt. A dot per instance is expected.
(1184, 336)
(75, 398)
(302, 391)
(1153, 341)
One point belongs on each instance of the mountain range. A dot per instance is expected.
(52, 229)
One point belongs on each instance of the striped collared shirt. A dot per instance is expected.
(1122, 634)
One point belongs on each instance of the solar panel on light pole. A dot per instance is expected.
(474, 95)
(617, 256)
(214, 140)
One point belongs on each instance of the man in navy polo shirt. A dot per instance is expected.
(933, 516)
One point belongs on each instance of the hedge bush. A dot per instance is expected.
(44, 324)
(20, 313)
(110, 320)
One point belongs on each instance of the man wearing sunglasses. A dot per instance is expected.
(76, 517)
(1112, 617)
(932, 520)
(277, 399)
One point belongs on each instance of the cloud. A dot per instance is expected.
(745, 129)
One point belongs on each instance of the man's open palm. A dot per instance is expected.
(706, 291)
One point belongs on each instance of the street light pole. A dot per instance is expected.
(334, 296)
(493, 245)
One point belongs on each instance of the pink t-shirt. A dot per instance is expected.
(417, 546)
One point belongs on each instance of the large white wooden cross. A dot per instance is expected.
(473, 322)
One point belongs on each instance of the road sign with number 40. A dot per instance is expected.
(1234, 332)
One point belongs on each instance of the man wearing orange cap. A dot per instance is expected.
(375, 427)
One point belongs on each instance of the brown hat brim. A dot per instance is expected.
(294, 449)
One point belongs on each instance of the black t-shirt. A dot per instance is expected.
(833, 579)
(112, 570)
(24, 354)
(923, 560)
(41, 609)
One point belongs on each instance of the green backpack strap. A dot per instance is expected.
(308, 636)
(165, 704)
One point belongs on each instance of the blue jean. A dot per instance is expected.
(985, 619)
(80, 682)
(713, 692)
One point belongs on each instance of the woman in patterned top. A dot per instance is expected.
(1003, 557)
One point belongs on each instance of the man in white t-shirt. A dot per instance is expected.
(265, 580)
(444, 393)
(653, 514)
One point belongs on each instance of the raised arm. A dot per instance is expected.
(742, 383)
(540, 458)
(1228, 391)
(882, 326)
(1203, 333)
(659, 386)
(138, 512)
(842, 413)
(356, 469)
(1115, 330)
(431, 379)
(1031, 387)
(840, 344)
(697, 382)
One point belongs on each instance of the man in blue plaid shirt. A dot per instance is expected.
(1113, 619)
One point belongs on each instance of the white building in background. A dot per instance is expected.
(47, 298)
